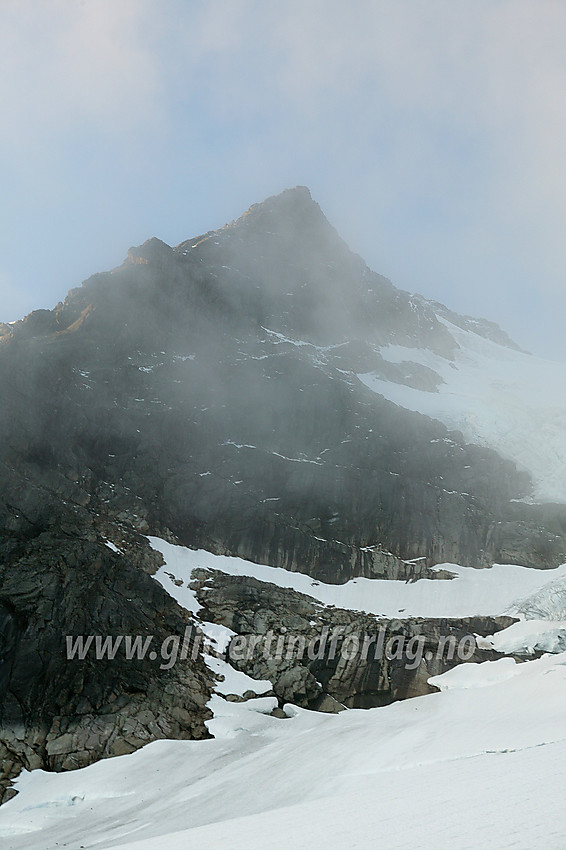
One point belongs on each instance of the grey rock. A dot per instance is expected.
(327, 679)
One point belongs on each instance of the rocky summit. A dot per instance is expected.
(215, 395)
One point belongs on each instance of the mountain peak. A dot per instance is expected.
(294, 198)
(294, 207)
(290, 224)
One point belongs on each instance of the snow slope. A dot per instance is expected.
(527, 637)
(472, 592)
(504, 399)
(479, 764)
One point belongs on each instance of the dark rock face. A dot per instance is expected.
(59, 713)
(208, 394)
(210, 390)
(355, 660)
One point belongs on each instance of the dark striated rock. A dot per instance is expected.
(326, 658)
(59, 713)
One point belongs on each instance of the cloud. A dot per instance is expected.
(68, 66)
(433, 133)
(16, 303)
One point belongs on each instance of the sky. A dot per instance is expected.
(431, 132)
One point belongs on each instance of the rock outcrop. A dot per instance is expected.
(60, 711)
(326, 658)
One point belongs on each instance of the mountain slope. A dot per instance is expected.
(237, 354)
(504, 399)
(210, 395)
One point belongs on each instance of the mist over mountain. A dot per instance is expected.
(256, 392)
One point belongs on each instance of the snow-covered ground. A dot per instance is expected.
(537, 598)
(498, 397)
(527, 637)
(479, 764)
(472, 592)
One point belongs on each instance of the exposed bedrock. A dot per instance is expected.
(323, 657)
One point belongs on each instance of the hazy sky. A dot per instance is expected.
(433, 135)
